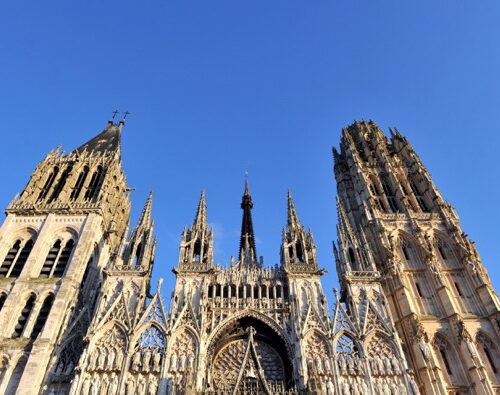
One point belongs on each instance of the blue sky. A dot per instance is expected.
(219, 88)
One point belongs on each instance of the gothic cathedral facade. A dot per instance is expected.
(416, 313)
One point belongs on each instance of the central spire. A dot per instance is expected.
(247, 240)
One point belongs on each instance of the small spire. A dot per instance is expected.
(247, 188)
(147, 211)
(247, 238)
(293, 218)
(201, 213)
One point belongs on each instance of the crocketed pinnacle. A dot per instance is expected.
(147, 211)
(293, 218)
(200, 220)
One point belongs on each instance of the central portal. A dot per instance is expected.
(249, 358)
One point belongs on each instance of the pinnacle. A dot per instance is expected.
(147, 211)
(293, 218)
(201, 212)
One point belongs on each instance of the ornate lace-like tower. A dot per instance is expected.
(246, 328)
(402, 250)
(57, 236)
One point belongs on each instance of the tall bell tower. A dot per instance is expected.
(57, 235)
(401, 247)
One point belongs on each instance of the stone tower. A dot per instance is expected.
(58, 234)
(401, 248)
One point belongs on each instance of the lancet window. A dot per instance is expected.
(93, 186)
(48, 184)
(375, 190)
(42, 316)
(15, 259)
(489, 353)
(80, 181)
(462, 292)
(61, 183)
(409, 254)
(389, 193)
(418, 195)
(24, 316)
(57, 259)
(446, 254)
(425, 296)
(448, 360)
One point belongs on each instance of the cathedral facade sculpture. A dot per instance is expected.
(416, 313)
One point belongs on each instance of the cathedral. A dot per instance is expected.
(416, 312)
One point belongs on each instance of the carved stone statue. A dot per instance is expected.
(130, 386)
(136, 361)
(110, 364)
(157, 362)
(152, 387)
(146, 359)
(101, 360)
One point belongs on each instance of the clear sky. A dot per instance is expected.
(221, 87)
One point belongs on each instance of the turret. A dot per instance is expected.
(197, 244)
(298, 250)
(138, 254)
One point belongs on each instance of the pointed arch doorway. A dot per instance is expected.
(248, 357)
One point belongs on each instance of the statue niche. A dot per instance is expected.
(146, 362)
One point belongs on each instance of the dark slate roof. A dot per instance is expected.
(107, 140)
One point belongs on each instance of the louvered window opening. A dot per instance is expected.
(61, 183)
(77, 189)
(57, 259)
(15, 259)
(42, 316)
(48, 184)
(91, 191)
(23, 318)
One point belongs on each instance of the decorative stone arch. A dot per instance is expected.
(15, 250)
(146, 325)
(445, 250)
(249, 344)
(322, 335)
(448, 359)
(254, 314)
(349, 333)
(103, 330)
(409, 250)
(107, 350)
(318, 355)
(382, 354)
(489, 353)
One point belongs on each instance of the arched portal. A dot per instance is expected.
(250, 357)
